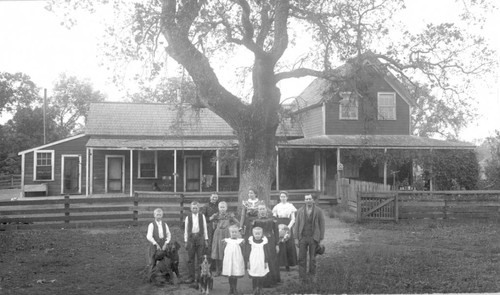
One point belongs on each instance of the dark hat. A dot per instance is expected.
(320, 250)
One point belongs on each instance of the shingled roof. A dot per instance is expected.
(120, 119)
(376, 141)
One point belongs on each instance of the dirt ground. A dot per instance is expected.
(108, 261)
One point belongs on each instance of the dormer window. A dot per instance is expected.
(386, 102)
(348, 106)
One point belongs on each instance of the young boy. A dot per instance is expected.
(158, 235)
(195, 239)
(257, 254)
(233, 264)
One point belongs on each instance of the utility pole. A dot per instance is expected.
(44, 115)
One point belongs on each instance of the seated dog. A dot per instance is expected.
(205, 280)
(164, 264)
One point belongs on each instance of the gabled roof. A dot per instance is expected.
(313, 95)
(376, 141)
(160, 120)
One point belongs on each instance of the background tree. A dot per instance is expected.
(70, 104)
(16, 90)
(22, 132)
(492, 167)
(203, 35)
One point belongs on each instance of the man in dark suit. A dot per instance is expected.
(309, 229)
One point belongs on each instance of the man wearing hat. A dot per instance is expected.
(309, 229)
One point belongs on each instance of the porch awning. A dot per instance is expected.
(157, 144)
(376, 141)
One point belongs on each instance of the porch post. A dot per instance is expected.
(23, 170)
(87, 172)
(91, 174)
(277, 169)
(175, 171)
(339, 166)
(431, 182)
(217, 170)
(131, 172)
(385, 167)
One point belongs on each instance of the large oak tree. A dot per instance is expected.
(319, 35)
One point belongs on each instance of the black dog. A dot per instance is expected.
(164, 264)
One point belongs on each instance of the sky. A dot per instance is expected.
(34, 42)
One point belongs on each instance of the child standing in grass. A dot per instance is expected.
(233, 264)
(256, 254)
(222, 220)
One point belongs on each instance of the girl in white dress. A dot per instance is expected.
(257, 253)
(233, 264)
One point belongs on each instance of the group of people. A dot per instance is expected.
(260, 242)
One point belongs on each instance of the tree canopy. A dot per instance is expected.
(282, 39)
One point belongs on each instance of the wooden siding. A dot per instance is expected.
(312, 122)
(71, 147)
(367, 122)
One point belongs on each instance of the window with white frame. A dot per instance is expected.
(148, 161)
(228, 164)
(348, 106)
(44, 165)
(386, 102)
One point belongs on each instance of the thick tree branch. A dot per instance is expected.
(282, 12)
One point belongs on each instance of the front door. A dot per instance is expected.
(71, 175)
(192, 173)
(115, 174)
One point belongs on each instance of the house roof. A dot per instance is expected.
(160, 143)
(142, 119)
(41, 147)
(313, 95)
(376, 141)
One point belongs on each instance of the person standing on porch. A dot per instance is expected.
(309, 230)
(195, 239)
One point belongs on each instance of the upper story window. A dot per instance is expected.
(44, 165)
(386, 102)
(348, 106)
(148, 161)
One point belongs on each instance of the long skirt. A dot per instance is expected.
(288, 252)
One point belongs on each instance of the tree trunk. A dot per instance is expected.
(257, 153)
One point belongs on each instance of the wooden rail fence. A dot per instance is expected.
(398, 205)
(71, 212)
(10, 181)
(349, 189)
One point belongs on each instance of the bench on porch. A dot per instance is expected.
(35, 188)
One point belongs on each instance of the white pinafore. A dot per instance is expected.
(233, 263)
(257, 258)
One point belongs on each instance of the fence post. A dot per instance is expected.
(182, 209)
(136, 210)
(66, 211)
(358, 205)
(396, 208)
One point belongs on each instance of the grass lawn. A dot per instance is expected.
(416, 257)
(412, 257)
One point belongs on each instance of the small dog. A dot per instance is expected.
(205, 280)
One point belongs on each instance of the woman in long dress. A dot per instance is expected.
(285, 213)
(271, 232)
(249, 213)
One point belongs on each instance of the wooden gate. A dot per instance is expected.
(377, 206)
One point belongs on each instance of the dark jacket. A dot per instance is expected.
(318, 223)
